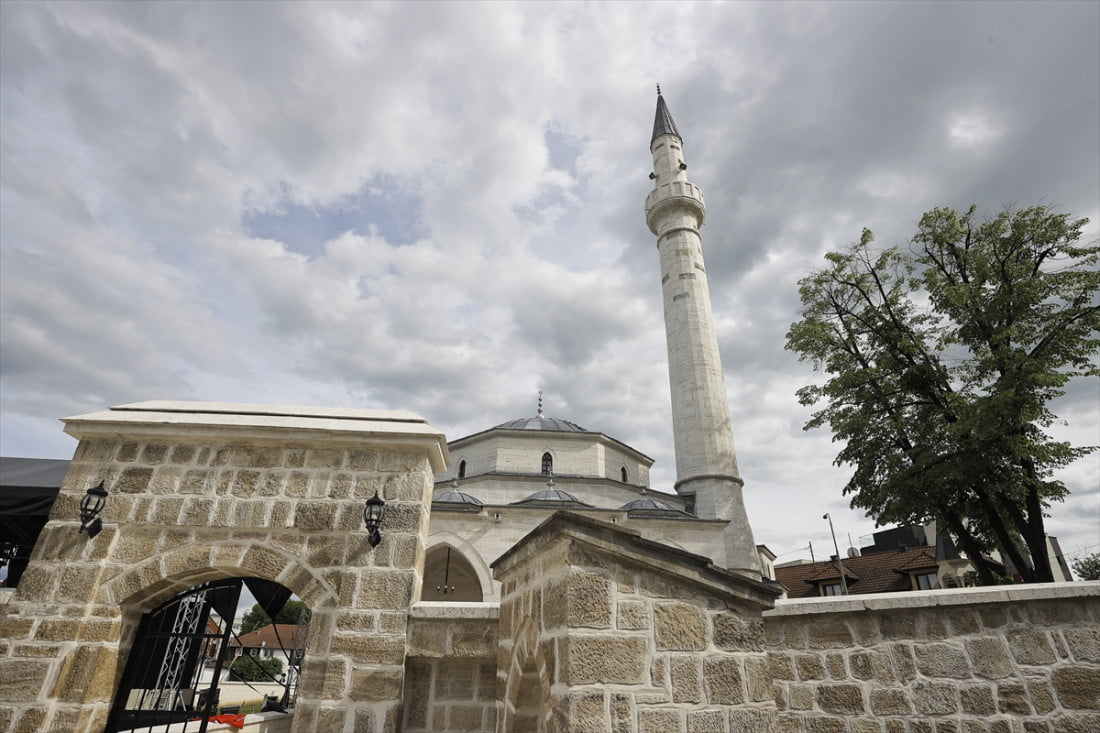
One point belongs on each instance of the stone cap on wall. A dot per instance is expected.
(629, 546)
(933, 598)
(281, 424)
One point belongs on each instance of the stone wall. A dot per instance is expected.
(195, 497)
(601, 631)
(451, 672)
(993, 660)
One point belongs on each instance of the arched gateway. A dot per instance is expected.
(200, 495)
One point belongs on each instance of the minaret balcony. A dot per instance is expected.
(674, 193)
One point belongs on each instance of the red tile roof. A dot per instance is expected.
(265, 637)
(881, 572)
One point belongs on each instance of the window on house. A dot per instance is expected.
(622, 472)
(547, 464)
(927, 581)
(462, 469)
(831, 589)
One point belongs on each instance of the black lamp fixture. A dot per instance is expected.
(372, 517)
(90, 506)
(8, 551)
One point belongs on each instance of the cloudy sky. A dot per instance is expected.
(438, 207)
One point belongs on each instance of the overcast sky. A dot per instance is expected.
(438, 207)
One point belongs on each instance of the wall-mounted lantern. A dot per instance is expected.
(90, 506)
(372, 517)
(8, 551)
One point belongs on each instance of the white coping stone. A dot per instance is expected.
(266, 422)
(461, 610)
(933, 598)
(254, 408)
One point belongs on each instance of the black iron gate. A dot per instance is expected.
(181, 649)
(175, 644)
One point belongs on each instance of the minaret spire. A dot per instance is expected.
(662, 122)
(706, 464)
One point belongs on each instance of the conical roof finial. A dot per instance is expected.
(662, 122)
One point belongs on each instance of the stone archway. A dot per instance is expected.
(527, 685)
(200, 491)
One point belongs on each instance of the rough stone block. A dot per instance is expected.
(604, 660)
(758, 683)
(133, 480)
(365, 648)
(679, 627)
(840, 699)
(684, 672)
(735, 632)
(990, 657)
(660, 721)
(1077, 686)
(890, 701)
(723, 681)
(589, 600)
(977, 700)
(315, 515)
(1083, 644)
(935, 698)
(757, 720)
(1030, 646)
(1012, 698)
(22, 680)
(941, 660)
(810, 667)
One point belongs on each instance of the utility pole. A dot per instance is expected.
(839, 559)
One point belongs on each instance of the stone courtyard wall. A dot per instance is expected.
(991, 660)
(451, 672)
(602, 631)
(259, 497)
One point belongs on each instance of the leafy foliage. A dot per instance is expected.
(256, 669)
(942, 362)
(289, 614)
(1087, 567)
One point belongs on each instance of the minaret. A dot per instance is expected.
(706, 465)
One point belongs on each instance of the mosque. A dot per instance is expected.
(523, 579)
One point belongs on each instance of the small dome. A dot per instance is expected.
(541, 422)
(552, 496)
(649, 506)
(458, 500)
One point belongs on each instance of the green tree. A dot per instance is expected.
(1088, 567)
(290, 613)
(256, 669)
(942, 362)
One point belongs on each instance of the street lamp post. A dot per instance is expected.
(839, 559)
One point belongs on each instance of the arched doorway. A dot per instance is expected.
(183, 652)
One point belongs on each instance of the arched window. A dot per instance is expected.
(547, 464)
(462, 469)
(622, 474)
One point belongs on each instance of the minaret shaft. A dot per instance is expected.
(706, 464)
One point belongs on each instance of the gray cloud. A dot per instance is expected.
(161, 162)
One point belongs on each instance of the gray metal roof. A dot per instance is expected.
(662, 122)
(552, 496)
(453, 496)
(540, 422)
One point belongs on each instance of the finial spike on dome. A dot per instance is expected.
(550, 483)
(454, 484)
(540, 403)
(658, 90)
